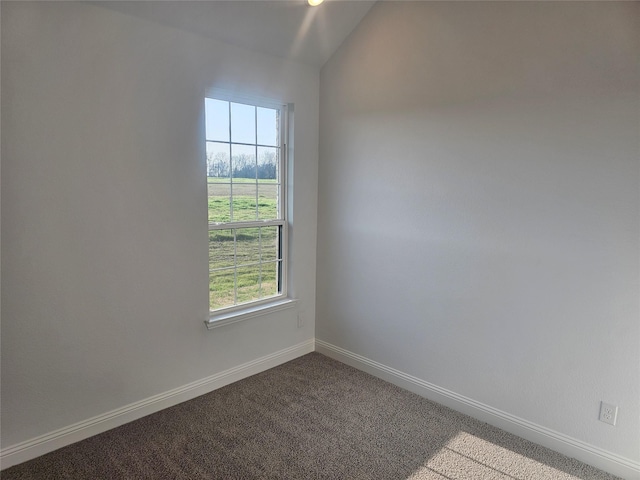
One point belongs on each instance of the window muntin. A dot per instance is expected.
(246, 204)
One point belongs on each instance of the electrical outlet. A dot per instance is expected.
(608, 413)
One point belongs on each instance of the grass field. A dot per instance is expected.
(246, 269)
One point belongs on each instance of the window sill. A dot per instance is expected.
(221, 320)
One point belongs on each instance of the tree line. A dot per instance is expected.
(244, 166)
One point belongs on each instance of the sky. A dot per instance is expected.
(244, 120)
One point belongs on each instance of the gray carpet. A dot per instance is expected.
(311, 418)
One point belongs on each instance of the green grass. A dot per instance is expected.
(244, 208)
(244, 192)
(253, 283)
(252, 244)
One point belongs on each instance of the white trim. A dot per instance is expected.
(62, 437)
(249, 311)
(572, 447)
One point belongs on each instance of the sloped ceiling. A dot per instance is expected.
(284, 28)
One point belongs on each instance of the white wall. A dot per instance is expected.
(478, 212)
(104, 237)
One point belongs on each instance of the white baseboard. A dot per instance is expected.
(62, 437)
(571, 447)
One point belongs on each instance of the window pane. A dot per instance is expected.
(270, 244)
(221, 249)
(243, 123)
(219, 200)
(248, 284)
(267, 200)
(244, 201)
(267, 126)
(221, 289)
(268, 163)
(216, 120)
(243, 159)
(218, 160)
(247, 245)
(268, 186)
(270, 273)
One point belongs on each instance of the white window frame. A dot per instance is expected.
(236, 313)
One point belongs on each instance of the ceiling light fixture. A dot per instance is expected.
(314, 3)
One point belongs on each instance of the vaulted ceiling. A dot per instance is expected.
(284, 28)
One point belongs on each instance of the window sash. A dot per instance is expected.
(246, 224)
(263, 265)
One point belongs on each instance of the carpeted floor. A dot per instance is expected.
(311, 418)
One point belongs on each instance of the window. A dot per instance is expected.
(245, 146)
